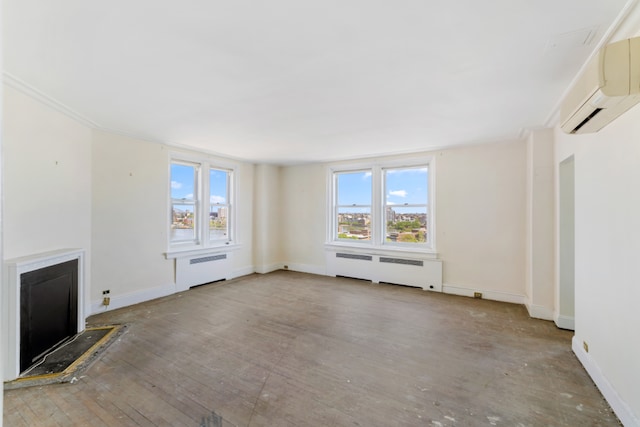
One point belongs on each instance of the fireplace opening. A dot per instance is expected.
(48, 310)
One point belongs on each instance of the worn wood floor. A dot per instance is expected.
(292, 349)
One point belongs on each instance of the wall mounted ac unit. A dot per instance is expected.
(609, 86)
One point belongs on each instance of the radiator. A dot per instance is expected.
(422, 272)
(198, 270)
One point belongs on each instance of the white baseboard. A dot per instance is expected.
(245, 271)
(565, 322)
(119, 301)
(308, 268)
(539, 311)
(618, 405)
(264, 269)
(486, 294)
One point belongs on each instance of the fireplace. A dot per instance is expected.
(43, 305)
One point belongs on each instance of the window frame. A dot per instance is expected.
(202, 196)
(195, 202)
(336, 208)
(378, 214)
(386, 205)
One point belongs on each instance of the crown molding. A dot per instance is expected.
(31, 91)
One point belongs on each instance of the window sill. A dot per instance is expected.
(427, 253)
(188, 252)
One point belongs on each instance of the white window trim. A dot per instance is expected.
(203, 245)
(376, 244)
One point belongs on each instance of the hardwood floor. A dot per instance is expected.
(292, 349)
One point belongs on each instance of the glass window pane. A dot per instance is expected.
(182, 222)
(218, 208)
(354, 188)
(218, 222)
(218, 180)
(354, 223)
(183, 178)
(406, 224)
(406, 186)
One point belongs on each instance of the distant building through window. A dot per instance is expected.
(383, 205)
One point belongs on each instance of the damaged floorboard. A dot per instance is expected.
(292, 349)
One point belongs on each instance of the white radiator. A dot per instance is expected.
(198, 270)
(414, 270)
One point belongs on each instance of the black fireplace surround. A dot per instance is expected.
(48, 310)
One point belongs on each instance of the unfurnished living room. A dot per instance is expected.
(320, 213)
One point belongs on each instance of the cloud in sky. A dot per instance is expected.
(176, 185)
(216, 199)
(398, 193)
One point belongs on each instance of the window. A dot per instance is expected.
(406, 204)
(218, 205)
(184, 187)
(353, 207)
(383, 205)
(201, 204)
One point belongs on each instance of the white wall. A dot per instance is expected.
(480, 218)
(607, 248)
(47, 180)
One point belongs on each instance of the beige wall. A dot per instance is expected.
(539, 261)
(480, 217)
(107, 199)
(267, 242)
(68, 186)
(47, 180)
(130, 217)
(304, 217)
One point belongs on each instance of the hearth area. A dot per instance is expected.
(43, 306)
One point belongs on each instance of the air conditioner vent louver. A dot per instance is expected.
(354, 256)
(585, 121)
(415, 262)
(207, 259)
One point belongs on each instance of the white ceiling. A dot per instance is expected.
(291, 81)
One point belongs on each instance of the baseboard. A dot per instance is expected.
(264, 269)
(119, 301)
(245, 271)
(308, 268)
(486, 294)
(565, 322)
(618, 405)
(539, 311)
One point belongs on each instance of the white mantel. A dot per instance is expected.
(11, 299)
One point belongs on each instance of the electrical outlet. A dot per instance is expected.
(477, 295)
(106, 299)
(585, 346)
